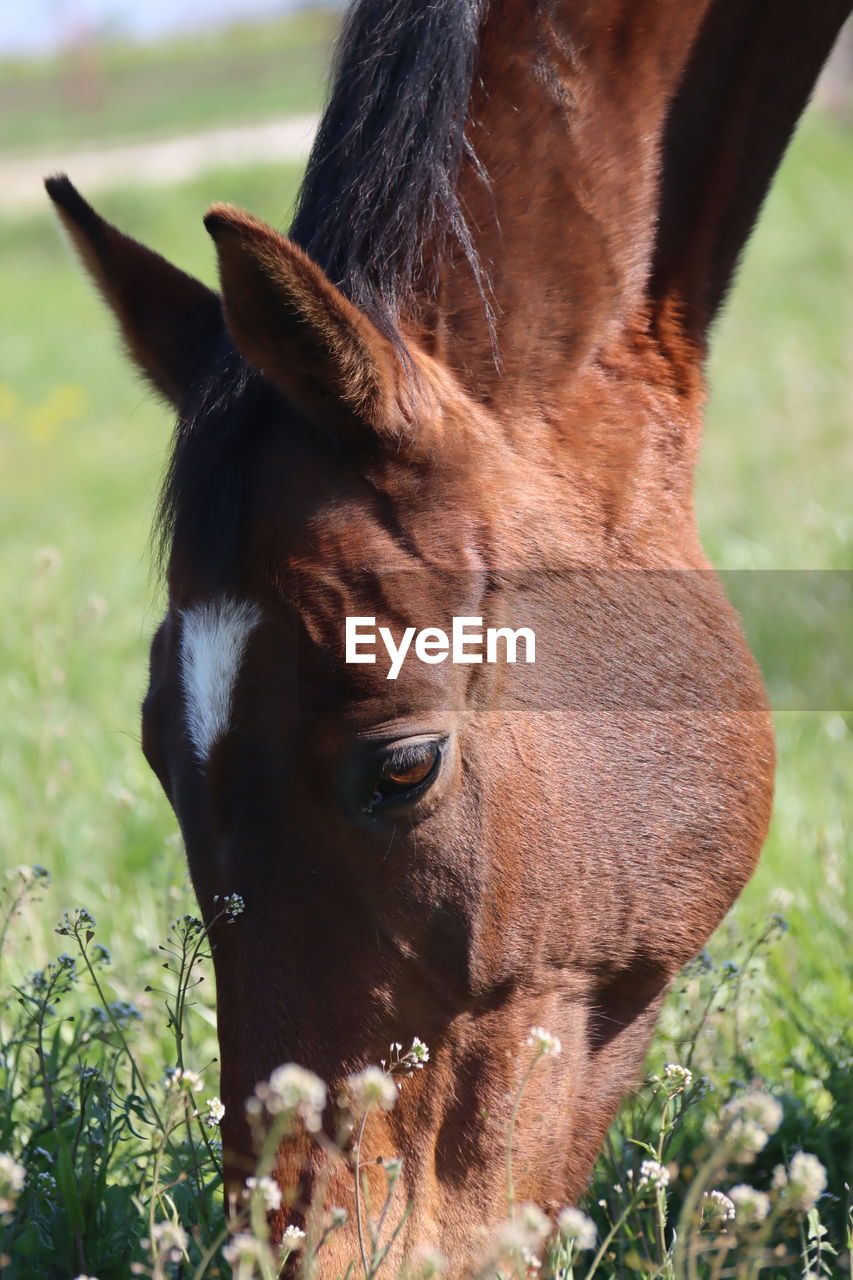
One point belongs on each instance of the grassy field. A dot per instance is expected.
(114, 90)
(81, 450)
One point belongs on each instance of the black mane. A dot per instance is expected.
(380, 184)
(381, 180)
(202, 495)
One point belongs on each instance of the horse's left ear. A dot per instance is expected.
(291, 322)
(169, 321)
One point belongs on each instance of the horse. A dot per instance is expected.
(467, 385)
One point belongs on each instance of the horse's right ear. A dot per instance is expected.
(169, 321)
(290, 321)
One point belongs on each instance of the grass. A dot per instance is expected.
(114, 90)
(81, 450)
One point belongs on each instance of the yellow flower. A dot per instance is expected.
(8, 401)
(62, 404)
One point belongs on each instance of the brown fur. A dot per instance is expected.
(299, 330)
(595, 815)
(168, 321)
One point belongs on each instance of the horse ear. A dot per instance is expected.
(292, 323)
(750, 72)
(169, 321)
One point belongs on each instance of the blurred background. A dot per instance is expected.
(156, 109)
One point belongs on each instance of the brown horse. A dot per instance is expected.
(470, 384)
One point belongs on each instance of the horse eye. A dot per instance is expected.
(405, 770)
(409, 777)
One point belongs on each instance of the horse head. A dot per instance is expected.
(459, 850)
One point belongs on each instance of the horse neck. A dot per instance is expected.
(619, 152)
(560, 186)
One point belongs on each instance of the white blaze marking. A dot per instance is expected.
(213, 641)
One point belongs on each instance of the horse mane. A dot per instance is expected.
(201, 501)
(380, 185)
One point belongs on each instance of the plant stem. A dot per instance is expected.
(602, 1248)
(138, 1078)
(359, 1219)
(510, 1136)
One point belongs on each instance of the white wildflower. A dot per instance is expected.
(168, 1240)
(543, 1042)
(675, 1074)
(215, 1112)
(523, 1233)
(292, 1239)
(534, 1222)
(244, 1247)
(293, 1089)
(745, 1124)
(370, 1087)
(717, 1209)
(268, 1190)
(761, 1107)
(509, 1237)
(419, 1053)
(802, 1184)
(751, 1206)
(230, 905)
(653, 1174)
(405, 1064)
(574, 1225)
(183, 1080)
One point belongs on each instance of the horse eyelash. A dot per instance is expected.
(400, 758)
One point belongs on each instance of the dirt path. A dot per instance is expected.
(162, 161)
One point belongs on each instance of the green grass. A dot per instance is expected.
(775, 473)
(82, 446)
(117, 90)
